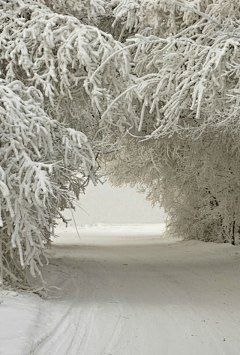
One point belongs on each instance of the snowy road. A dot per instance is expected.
(135, 293)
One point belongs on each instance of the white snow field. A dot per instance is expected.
(128, 290)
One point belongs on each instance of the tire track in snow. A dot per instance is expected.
(72, 332)
(62, 329)
(82, 331)
(56, 329)
(82, 343)
(115, 337)
(48, 335)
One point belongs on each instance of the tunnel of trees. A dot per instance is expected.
(146, 92)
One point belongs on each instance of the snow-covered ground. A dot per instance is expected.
(128, 290)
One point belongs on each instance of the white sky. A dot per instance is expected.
(110, 205)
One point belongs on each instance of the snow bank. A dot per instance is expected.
(19, 314)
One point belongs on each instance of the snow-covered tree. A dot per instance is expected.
(49, 115)
(41, 160)
(183, 101)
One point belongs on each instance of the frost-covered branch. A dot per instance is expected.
(48, 53)
(188, 77)
(35, 154)
(184, 97)
(58, 54)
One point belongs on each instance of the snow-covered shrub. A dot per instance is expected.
(199, 190)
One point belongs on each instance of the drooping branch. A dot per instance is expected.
(35, 154)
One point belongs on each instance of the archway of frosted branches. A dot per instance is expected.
(144, 92)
